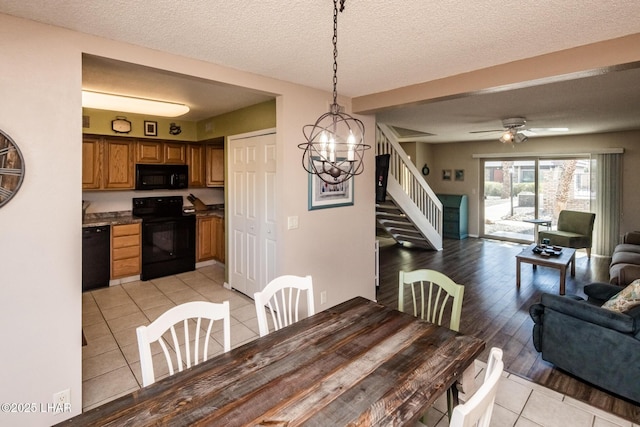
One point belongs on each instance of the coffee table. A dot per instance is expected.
(561, 262)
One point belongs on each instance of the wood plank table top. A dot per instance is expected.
(359, 363)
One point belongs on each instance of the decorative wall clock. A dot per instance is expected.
(121, 125)
(11, 168)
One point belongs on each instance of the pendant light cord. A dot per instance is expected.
(335, 51)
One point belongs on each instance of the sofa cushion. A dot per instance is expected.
(625, 258)
(626, 299)
(627, 247)
(624, 274)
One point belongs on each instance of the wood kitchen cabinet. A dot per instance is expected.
(161, 152)
(107, 163)
(118, 161)
(211, 243)
(91, 163)
(196, 163)
(149, 152)
(215, 165)
(175, 153)
(125, 250)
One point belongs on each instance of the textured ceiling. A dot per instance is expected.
(382, 44)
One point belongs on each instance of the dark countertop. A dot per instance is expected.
(125, 217)
(109, 218)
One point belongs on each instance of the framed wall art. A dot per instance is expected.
(150, 128)
(459, 174)
(323, 195)
(446, 174)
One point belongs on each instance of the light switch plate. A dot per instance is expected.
(292, 222)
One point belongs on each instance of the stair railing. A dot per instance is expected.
(407, 175)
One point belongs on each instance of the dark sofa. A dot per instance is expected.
(597, 345)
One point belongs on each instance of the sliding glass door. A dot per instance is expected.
(517, 190)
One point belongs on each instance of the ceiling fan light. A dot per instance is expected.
(507, 137)
(520, 137)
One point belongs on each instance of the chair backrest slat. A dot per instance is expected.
(436, 290)
(167, 322)
(278, 297)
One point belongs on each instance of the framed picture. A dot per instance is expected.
(459, 174)
(150, 128)
(446, 174)
(323, 195)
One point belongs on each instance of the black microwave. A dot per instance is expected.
(161, 177)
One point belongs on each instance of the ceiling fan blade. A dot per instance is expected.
(484, 131)
(549, 129)
(528, 132)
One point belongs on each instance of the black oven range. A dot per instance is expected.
(168, 236)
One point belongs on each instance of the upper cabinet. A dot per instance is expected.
(91, 163)
(108, 163)
(161, 152)
(196, 163)
(175, 153)
(149, 152)
(215, 165)
(118, 164)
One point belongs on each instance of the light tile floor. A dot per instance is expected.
(111, 364)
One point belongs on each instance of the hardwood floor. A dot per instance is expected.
(498, 313)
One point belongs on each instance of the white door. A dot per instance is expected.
(251, 159)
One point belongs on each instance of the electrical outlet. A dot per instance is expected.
(62, 401)
(323, 297)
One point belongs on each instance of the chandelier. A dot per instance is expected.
(335, 147)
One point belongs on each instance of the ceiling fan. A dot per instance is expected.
(514, 130)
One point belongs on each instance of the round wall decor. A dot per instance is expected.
(11, 168)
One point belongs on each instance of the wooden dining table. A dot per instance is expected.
(359, 363)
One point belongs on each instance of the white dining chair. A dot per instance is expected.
(182, 317)
(478, 409)
(431, 291)
(282, 298)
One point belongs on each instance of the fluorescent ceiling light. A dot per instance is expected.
(129, 104)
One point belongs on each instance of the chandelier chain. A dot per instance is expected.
(334, 147)
(335, 48)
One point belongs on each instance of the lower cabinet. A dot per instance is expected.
(210, 231)
(125, 250)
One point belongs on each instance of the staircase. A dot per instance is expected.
(412, 212)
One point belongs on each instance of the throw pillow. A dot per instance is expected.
(626, 299)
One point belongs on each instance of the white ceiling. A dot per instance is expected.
(382, 45)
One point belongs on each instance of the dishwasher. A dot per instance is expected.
(96, 269)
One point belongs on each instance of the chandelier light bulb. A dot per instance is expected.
(323, 145)
(351, 142)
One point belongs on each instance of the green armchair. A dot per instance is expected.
(574, 230)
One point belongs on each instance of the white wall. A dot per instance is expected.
(40, 229)
(40, 236)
